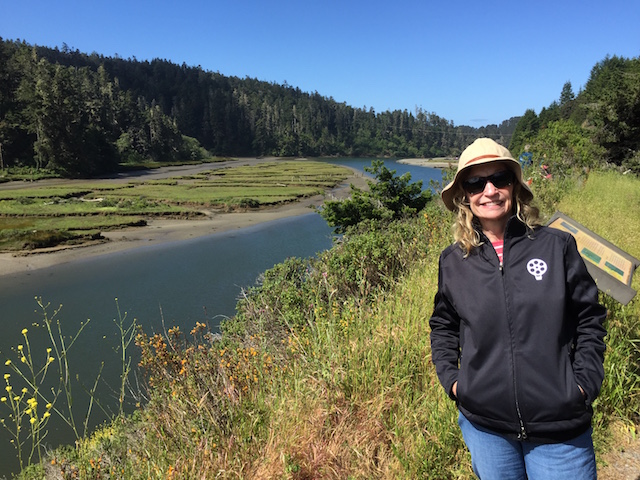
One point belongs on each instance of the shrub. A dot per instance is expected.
(388, 198)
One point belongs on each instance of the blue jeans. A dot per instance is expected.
(495, 457)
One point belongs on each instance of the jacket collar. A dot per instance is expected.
(515, 228)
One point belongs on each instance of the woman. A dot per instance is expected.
(517, 332)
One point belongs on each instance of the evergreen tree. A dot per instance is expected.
(566, 101)
(601, 124)
(612, 100)
(389, 198)
(525, 131)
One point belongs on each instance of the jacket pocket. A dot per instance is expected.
(552, 395)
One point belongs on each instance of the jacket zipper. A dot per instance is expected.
(522, 434)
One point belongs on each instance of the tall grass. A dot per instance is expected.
(40, 385)
(608, 203)
(325, 371)
(367, 401)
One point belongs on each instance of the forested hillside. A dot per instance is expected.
(78, 121)
(600, 125)
(81, 114)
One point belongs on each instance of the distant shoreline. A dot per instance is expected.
(159, 231)
(430, 162)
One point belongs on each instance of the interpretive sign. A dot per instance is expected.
(610, 267)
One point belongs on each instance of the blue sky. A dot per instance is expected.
(474, 63)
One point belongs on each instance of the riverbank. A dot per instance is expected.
(170, 230)
(442, 162)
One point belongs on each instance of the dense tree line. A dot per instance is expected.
(599, 125)
(76, 120)
(82, 114)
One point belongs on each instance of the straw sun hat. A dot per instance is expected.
(483, 150)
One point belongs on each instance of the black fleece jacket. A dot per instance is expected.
(520, 339)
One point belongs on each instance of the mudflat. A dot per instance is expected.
(443, 162)
(169, 230)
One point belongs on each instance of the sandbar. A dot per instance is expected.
(169, 230)
(444, 162)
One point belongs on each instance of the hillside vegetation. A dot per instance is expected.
(325, 371)
(600, 125)
(68, 113)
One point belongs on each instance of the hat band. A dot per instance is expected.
(482, 157)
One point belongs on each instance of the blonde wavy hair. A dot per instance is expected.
(466, 229)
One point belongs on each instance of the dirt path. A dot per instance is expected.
(144, 175)
(623, 461)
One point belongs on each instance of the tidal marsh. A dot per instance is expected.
(79, 212)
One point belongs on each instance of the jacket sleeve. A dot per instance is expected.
(590, 316)
(445, 337)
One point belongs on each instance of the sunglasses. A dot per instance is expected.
(500, 179)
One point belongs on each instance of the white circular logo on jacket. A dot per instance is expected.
(537, 268)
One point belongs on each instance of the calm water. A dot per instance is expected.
(424, 174)
(171, 284)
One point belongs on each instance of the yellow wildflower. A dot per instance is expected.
(24, 331)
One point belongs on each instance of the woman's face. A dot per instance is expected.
(492, 204)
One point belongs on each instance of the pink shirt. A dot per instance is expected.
(498, 246)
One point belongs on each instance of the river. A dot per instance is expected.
(172, 284)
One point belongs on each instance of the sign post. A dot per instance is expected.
(610, 267)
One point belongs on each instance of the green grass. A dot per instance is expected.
(36, 193)
(608, 204)
(63, 210)
(31, 233)
(12, 224)
(213, 194)
(151, 165)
